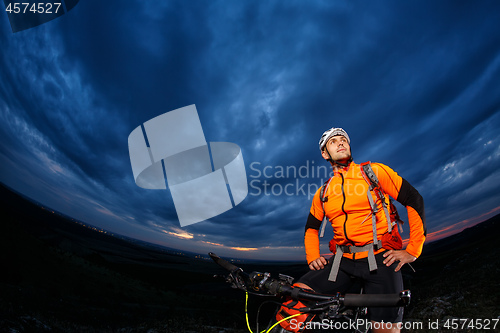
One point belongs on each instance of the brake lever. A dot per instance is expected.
(236, 280)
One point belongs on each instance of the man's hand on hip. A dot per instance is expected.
(397, 255)
(318, 264)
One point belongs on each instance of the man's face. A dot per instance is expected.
(338, 147)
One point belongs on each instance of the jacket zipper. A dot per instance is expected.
(343, 210)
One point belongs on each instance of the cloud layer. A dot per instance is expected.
(413, 83)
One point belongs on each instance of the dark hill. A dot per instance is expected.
(60, 276)
(482, 233)
(458, 276)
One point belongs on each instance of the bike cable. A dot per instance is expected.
(267, 330)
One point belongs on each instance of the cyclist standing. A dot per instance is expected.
(345, 202)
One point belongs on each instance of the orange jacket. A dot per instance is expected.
(349, 212)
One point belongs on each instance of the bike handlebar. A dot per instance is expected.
(378, 300)
(368, 300)
(223, 263)
(259, 281)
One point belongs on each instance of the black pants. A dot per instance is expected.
(384, 280)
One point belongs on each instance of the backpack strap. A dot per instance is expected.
(341, 249)
(372, 180)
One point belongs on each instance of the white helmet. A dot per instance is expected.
(334, 131)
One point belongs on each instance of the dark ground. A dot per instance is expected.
(60, 276)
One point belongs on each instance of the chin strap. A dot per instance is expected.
(344, 165)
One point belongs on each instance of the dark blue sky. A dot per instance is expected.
(414, 83)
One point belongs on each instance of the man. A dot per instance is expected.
(346, 205)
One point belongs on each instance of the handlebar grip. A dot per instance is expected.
(374, 300)
(223, 263)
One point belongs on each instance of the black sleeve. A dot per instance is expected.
(409, 196)
(312, 222)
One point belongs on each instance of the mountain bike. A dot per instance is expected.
(338, 313)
